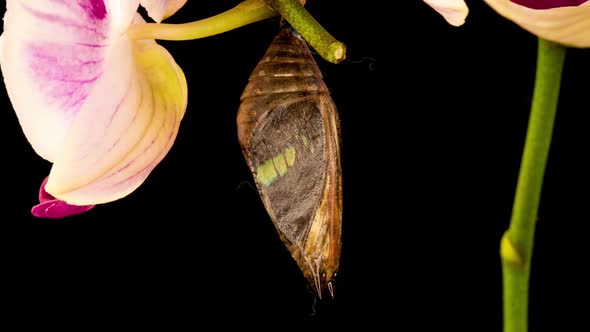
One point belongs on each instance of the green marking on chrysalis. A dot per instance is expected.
(277, 166)
(290, 155)
(266, 173)
(305, 141)
(280, 164)
(306, 144)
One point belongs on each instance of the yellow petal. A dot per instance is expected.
(125, 128)
(566, 25)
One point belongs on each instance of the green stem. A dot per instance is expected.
(244, 13)
(327, 46)
(517, 243)
(247, 12)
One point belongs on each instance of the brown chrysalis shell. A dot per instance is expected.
(288, 128)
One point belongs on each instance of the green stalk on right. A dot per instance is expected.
(516, 246)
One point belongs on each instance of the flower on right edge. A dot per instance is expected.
(562, 21)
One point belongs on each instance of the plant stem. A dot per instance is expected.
(516, 246)
(327, 46)
(247, 12)
(244, 13)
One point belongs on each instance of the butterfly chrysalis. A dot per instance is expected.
(289, 131)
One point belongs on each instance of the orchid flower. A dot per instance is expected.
(562, 21)
(103, 108)
(454, 11)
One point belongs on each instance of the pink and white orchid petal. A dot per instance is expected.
(52, 55)
(161, 9)
(566, 25)
(124, 129)
(454, 11)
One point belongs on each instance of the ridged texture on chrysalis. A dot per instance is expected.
(288, 128)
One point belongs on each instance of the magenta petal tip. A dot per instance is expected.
(57, 209)
(53, 208)
(548, 4)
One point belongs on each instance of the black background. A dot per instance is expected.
(433, 120)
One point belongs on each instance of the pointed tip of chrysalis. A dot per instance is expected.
(331, 289)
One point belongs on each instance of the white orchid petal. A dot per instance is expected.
(122, 13)
(566, 25)
(161, 9)
(454, 11)
(124, 129)
(52, 54)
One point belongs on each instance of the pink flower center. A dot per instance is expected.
(548, 4)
